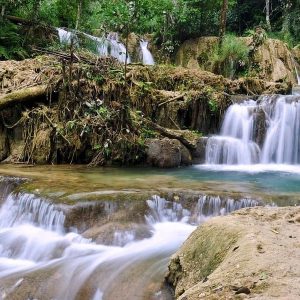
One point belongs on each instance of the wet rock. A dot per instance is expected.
(4, 148)
(240, 98)
(260, 127)
(199, 152)
(296, 90)
(42, 145)
(243, 290)
(117, 234)
(167, 153)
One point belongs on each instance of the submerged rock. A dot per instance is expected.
(251, 250)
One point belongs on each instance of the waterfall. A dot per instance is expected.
(65, 37)
(235, 145)
(296, 66)
(239, 142)
(34, 245)
(117, 49)
(147, 56)
(27, 208)
(206, 207)
(209, 206)
(104, 46)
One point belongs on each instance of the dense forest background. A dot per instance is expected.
(170, 21)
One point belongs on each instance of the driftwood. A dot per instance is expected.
(18, 20)
(24, 95)
(171, 134)
(171, 100)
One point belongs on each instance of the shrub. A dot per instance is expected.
(230, 58)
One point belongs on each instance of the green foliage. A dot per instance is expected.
(171, 22)
(230, 57)
(11, 42)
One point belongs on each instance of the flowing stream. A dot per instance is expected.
(258, 132)
(41, 259)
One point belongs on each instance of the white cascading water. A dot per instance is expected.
(237, 142)
(104, 46)
(235, 145)
(296, 66)
(117, 49)
(65, 37)
(146, 54)
(33, 243)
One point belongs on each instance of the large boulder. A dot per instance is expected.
(167, 153)
(254, 250)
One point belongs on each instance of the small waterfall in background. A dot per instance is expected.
(296, 67)
(146, 54)
(265, 131)
(118, 50)
(65, 37)
(32, 237)
(104, 46)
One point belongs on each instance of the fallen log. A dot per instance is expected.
(179, 97)
(18, 20)
(25, 95)
(171, 134)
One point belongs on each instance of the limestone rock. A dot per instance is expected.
(167, 153)
(273, 58)
(252, 250)
(199, 153)
(4, 150)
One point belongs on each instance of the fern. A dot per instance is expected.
(11, 42)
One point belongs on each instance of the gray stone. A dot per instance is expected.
(296, 90)
(167, 153)
(199, 153)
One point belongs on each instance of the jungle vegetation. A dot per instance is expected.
(170, 21)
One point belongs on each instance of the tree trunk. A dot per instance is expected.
(268, 15)
(2, 11)
(286, 16)
(171, 134)
(29, 94)
(79, 10)
(223, 19)
(36, 12)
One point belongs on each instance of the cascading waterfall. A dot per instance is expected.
(26, 208)
(296, 67)
(109, 45)
(65, 37)
(146, 54)
(235, 145)
(33, 242)
(274, 119)
(118, 50)
(104, 46)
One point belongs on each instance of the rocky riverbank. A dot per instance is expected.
(252, 253)
(61, 108)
